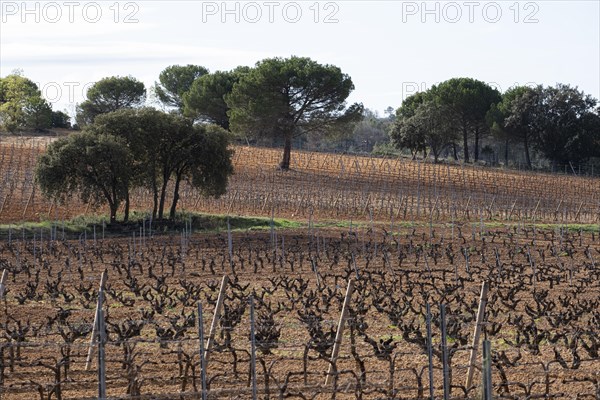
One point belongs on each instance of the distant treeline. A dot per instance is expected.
(296, 102)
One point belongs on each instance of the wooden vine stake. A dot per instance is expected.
(88, 361)
(253, 349)
(467, 207)
(215, 321)
(512, 209)
(202, 360)
(444, 350)
(340, 331)
(578, 212)
(29, 201)
(536, 209)
(3, 283)
(101, 343)
(429, 351)
(477, 333)
(235, 195)
(487, 370)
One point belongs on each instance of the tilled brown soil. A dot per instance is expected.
(332, 186)
(542, 317)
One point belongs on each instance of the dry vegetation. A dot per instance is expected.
(339, 187)
(542, 317)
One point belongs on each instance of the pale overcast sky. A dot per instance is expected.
(389, 48)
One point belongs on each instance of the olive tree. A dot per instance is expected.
(96, 167)
(431, 126)
(169, 147)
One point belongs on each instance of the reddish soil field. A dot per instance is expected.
(330, 186)
(542, 316)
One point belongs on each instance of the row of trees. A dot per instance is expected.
(282, 98)
(124, 145)
(561, 122)
(130, 148)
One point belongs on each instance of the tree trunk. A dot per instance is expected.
(454, 152)
(476, 150)
(466, 143)
(527, 157)
(436, 151)
(113, 212)
(175, 195)
(163, 195)
(126, 217)
(287, 150)
(154, 197)
(506, 153)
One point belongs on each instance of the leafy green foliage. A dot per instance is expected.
(175, 81)
(60, 120)
(166, 146)
(97, 167)
(411, 103)
(469, 100)
(110, 94)
(21, 104)
(457, 106)
(560, 122)
(210, 160)
(290, 97)
(513, 117)
(205, 100)
(142, 130)
(131, 148)
(38, 114)
(567, 124)
(362, 136)
(430, 126)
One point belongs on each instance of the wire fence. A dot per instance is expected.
(171, 369)
(338, 186)
(541, 313)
